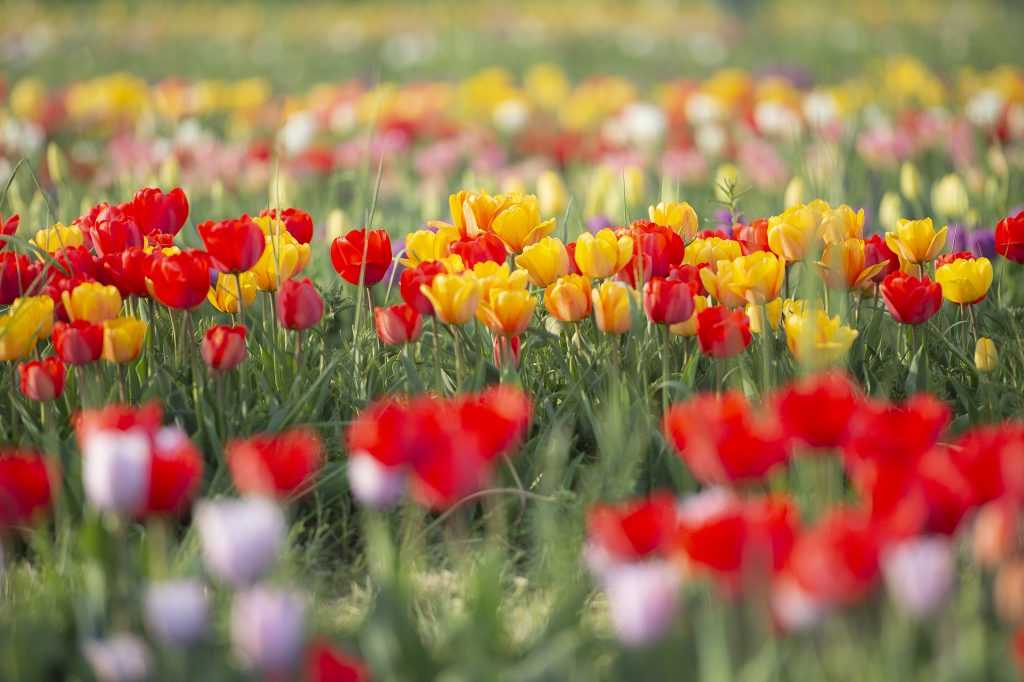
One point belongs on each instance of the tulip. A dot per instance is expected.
(26, 322)
(223, 347)
(1010, 238)
(568, 298)
(240, 539)
(949, 196)
(612, 307)
(631, 532)
(268, 629)
(373, 484)
(283, 465)
(122, 339)
(816, 410)
(282, 259)
(520, 225)
(473, 212)
(116, 466)
(759, 314)
(721, 284)
(689, 327)
(118, 658)
(507, 350)
(428, 245)
(495, 276)
(794, 193)
(296, 222)
(114, 231)
(916, 241)
(602, 255)
(876, 252)
(796, 232)
(667, 301)
(508, 312)
(836, 562)
(175, 473)
(234, 245)
(911, 182)
(552, 195)
(965, 280)
(545, 261)
(643, 601)
(844, 266)
(919, 574)
(181, 280)
(224, 296)
(816, 339)
(159, 213)
(758, 276)
(59, 237)
(889, 210)
(324, 663)
(92, 302)
(479, 249)
(841, 223)
(413, 278)
(752, 237)
(722, 333)
(398, 325)
(299, 305)
(177, 612)
(27, 487)
(911, 300)
(986, 356)
(362, 254)
(679, 216)
(711, 252)
(8, 228)
(655, 247)
(727, 179)
(127, 271)
(455, 298)
(42, 379)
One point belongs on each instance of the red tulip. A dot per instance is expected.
(634, 530)
(662, 246)
(181, 280)
(8, 228)
(753, 236)
(55, 289)
(877, 251)
(113, 231)
(299, 305)
(574, 268)
(721, 332)
(74, 261)
(911, 300)
(990, 459)
(127, 271)
(298, 223)
(27, 487)
(223, 347)
(398, 324)
(507, 349)
(175, 473)
(283, 464)
(156, 212)
(422, 275)
(17, 275)
(816, 410)
(482, 248)
(836, 562)
(234, 245)
(325, 663)
(1010, 238)
(386, 431)
(493, 421)
(42, 379)
(668, 301)
(900, 432)
(722, 440)
(79, 342)
(691, 275)
(362, 252)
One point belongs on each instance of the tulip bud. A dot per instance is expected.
(910, 181)
(223, 347)
(949, 196)
(240, 538)
(299, 305)
(889, 210)
(398, 325)
(119, 658)
(170, 172)
(56, 164)
(551, 193)
(337, 225)
(42, 379)
(177, 612)
(919, 574)
(633, 180)
(115, 469)
(643, 600)
(794, 192)
(986, 356)
(373, 484)
(122, 339)
(268, 628)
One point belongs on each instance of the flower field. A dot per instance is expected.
(439, 341)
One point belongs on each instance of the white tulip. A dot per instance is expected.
(643, 600)
(177, 612)
(115, 469)
(373, 484)
(240, 538)
(268, 627)
(919, 574)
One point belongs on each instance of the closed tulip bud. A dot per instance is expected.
(911, 300)
(177, 612)
(679, 216)
(919, 574)
(299, 305)
(545, 261)
(373, 484)
(223, 347)
(986, 356)
(689, 327)
(568, 298)
(362, 256)
(398, 325)
(633, 185)
(643, 600)
(283, 258)
(759, 313)
(552, 195)
(611, 307)
(78, 343)
(721, 284)
(520, 224)
(224, 297)
(841, 223)
(507, 312)
(794, 192)
(602, 255)
(949, 196)
(723, 333)
(668, 301)
(59, 237)
(122, 339)
(889, 210)
(240, 539)
(119, 658)
(268, 629)
(1010, 238)
(337, 224)
(26, 322)
(965, 280)
(42, 380)
(916, 241)
(455, 298)
(56, 164)
(817, 340)
(911, 183)
(92, 302)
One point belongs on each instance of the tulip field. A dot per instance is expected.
(511, 341)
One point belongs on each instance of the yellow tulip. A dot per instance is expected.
(455, 297)
(122, 339)
(817, 340)
(916, 241)
(842, 265)
(986, 357)
(841, 223)
(424, 245)
(679, 216)
(520, 224)
(633, 185)
(794, 192)
(552, 194)
(225, 296)
(473, 212)
(910, 181)
(545, 261)
(796, 232)
(611, 307)
(949, 196)
(26, 322)
(758, 312)
(758, 277)
(965, 280)
(722, 285)
(58, 237)
(889, 210)
(92, 302)
(493, 275)
(508, 312)
(283, 258)
(710, 251)
(689, 328)
(568, 298)
(602, 255)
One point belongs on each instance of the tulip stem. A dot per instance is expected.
(239, 297)
(437, 356)
(974, 322)
(457, 336)
(666, 341)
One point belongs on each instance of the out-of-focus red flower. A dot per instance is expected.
(298, 223)
(127, 271)
(158, 213)
(17, 275)
(175, 473)
(398, 325)
(42, 379)
(507, 349)
(723, 440)
(79, 342)
(423, 274)
(362, 251)
(909, 299)
(8, 228)
(634, 530)
(668, 301)
(234, 245)
(992, 460)
(181, 280)
(299, 305)
(836, 561)
(752, 236)
(691, 275)
(223, 347)
(900, 432)
(27, 487)
(484, 247)
(494, 420)
(1010, 238)
(386, 431)
(325, 663)
(877, 251)
(721, 332)
(283, 464)
(113, 231)
(816, 410)
(662, 246)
